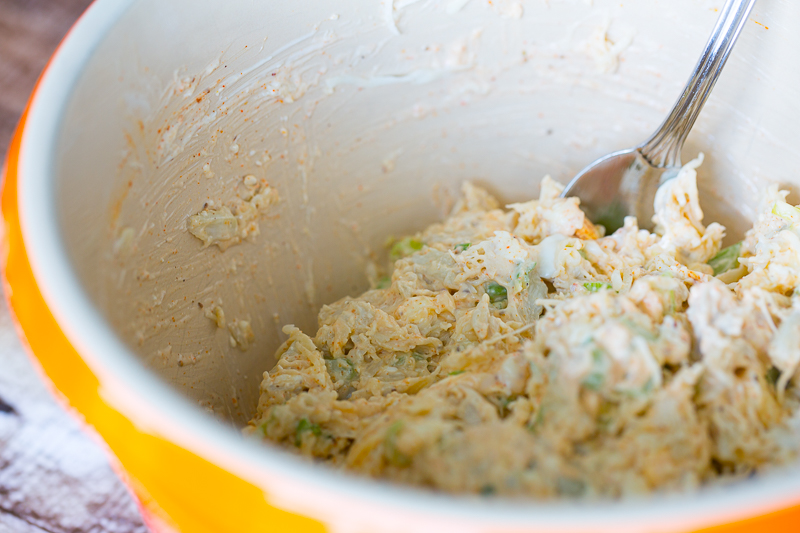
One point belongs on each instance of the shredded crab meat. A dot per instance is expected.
(523, 352)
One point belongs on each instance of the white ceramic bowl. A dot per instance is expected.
(365, 116)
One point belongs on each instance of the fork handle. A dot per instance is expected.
(663, 148)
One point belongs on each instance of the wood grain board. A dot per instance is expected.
(53, 478)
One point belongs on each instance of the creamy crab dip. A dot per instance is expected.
(523, 352)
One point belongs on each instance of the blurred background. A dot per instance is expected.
(53, 477)
(30, 30)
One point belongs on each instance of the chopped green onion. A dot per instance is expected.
(596, 286)
(786, 212)
(404, 247)
(264, 426)
(522, 275)
(727, 258)
(304, 426)
(457, 372)
(461, 247)
(384, 283)
(497, 293)
(393, 455)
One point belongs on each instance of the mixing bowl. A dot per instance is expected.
(363, 117)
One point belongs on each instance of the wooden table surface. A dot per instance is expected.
(53, 478)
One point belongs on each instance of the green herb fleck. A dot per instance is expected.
(342, 369)
(644, 390)
(639, 330)
(457, 372)
(605, 414)
(497, 293)
(264, 426)
(595, 379)
(596, 286)
(502, 405)
(726, 259)
(303, 427)
(404, 247)
(567, 486)
(773, 375)
(393, 455)
(673, 302)
(537, 421)
(488, 490)
(384, 283)
(461, 247)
